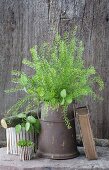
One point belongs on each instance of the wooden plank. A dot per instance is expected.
(17, 139)
(86, 133)
(7, 139)
(14, 141)
(10, 138)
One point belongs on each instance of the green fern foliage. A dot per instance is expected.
(59, 68)
(60, 76)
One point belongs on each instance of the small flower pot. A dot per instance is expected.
(26, 153)
(12, 138)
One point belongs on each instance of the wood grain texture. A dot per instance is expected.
(24, 23)
(91, 17)
(86, 133)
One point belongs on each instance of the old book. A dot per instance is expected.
(86, 132)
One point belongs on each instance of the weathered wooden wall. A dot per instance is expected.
(24, 23)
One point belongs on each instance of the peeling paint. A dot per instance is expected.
(63, 144)
(52, 156)
(52, 140)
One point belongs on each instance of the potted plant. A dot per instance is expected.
(28, 129)
(22, 126)
(59, 79)
(24, 110)
(26, 149)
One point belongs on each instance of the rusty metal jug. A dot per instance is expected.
(56, 141)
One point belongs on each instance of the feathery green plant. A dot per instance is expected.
(25, 143)
(60, 76)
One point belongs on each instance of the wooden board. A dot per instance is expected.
(86, 133)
